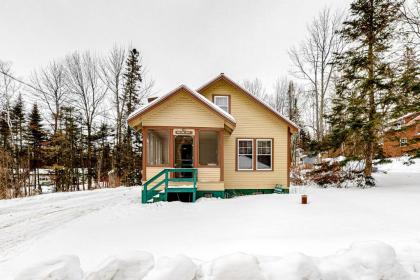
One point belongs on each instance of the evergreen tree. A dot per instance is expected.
(408, 84)
(18, 121)
(366, 84)
(18, 129)
(71, 150)
(133, 79)
(128, 168)
(4, 130)
(102, 154)
(35, 136)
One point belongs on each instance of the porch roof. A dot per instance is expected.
(150, 106)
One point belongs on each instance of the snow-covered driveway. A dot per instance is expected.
(96, 224)
(24, 220)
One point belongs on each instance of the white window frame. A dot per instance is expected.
(257, 154)
(215, 97)
(403, 142)
(252, 154)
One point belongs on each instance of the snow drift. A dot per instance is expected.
(366, 260)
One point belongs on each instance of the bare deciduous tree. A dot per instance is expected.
(85, 83)
(314, 61)
(112, 74)
(279, 100)
(51, 89)
(256, 88)
(411, 16)
(8, 88)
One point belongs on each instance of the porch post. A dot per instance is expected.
(222, 154)
(171, 149)
(196, 148)
(144, 155)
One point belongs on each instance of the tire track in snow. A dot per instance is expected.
(24, 220)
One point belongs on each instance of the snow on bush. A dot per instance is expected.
(179, 267)
(237, 266)
(61, 268)
(292, 267)
(366, 260)
(132, 266)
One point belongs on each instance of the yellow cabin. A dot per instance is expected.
(216, 141)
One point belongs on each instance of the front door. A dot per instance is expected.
(184, 151)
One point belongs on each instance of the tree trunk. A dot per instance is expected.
(371, 133)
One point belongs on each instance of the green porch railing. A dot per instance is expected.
(149, 193)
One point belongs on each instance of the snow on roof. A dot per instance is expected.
(402, 117)
(194, 93)
(262, 102)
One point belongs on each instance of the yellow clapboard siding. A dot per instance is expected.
(183, 111)
(208, 174)
(252, 121)
(210, 186)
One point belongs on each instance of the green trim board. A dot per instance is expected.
(218, 194)
(240, 192)
(229, 193)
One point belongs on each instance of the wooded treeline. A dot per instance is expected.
(353, 74)
(69, 120)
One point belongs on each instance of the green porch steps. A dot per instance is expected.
(153, 194)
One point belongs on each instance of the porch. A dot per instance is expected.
(189, 157)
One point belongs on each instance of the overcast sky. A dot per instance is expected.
(182, 42)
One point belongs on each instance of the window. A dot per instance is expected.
(264, 154)
(399, 124)
(208, 148)
(403, 142)
(252, 150)
(157, 147)
(222, 101)
(245, 154)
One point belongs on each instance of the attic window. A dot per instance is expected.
(403, 142)
(222, 101)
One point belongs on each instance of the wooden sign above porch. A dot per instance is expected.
(183, 131)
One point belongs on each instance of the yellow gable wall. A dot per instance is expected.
(182, 110)
(252, 121)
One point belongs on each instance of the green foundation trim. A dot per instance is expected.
(229, 193)
(240, 192)
(218, 194)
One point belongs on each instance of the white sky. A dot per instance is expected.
(182, 42)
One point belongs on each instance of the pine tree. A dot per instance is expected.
(366, 81)
(35, 136)
(18, 120)
(128, 167)
(133, 79)
(4, 131)
(408, 84)
(18, 129)
(71, 151)
(102, 166)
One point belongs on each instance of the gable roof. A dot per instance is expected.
(226, 116)
(222, 76)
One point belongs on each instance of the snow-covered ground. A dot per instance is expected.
(96, 225)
